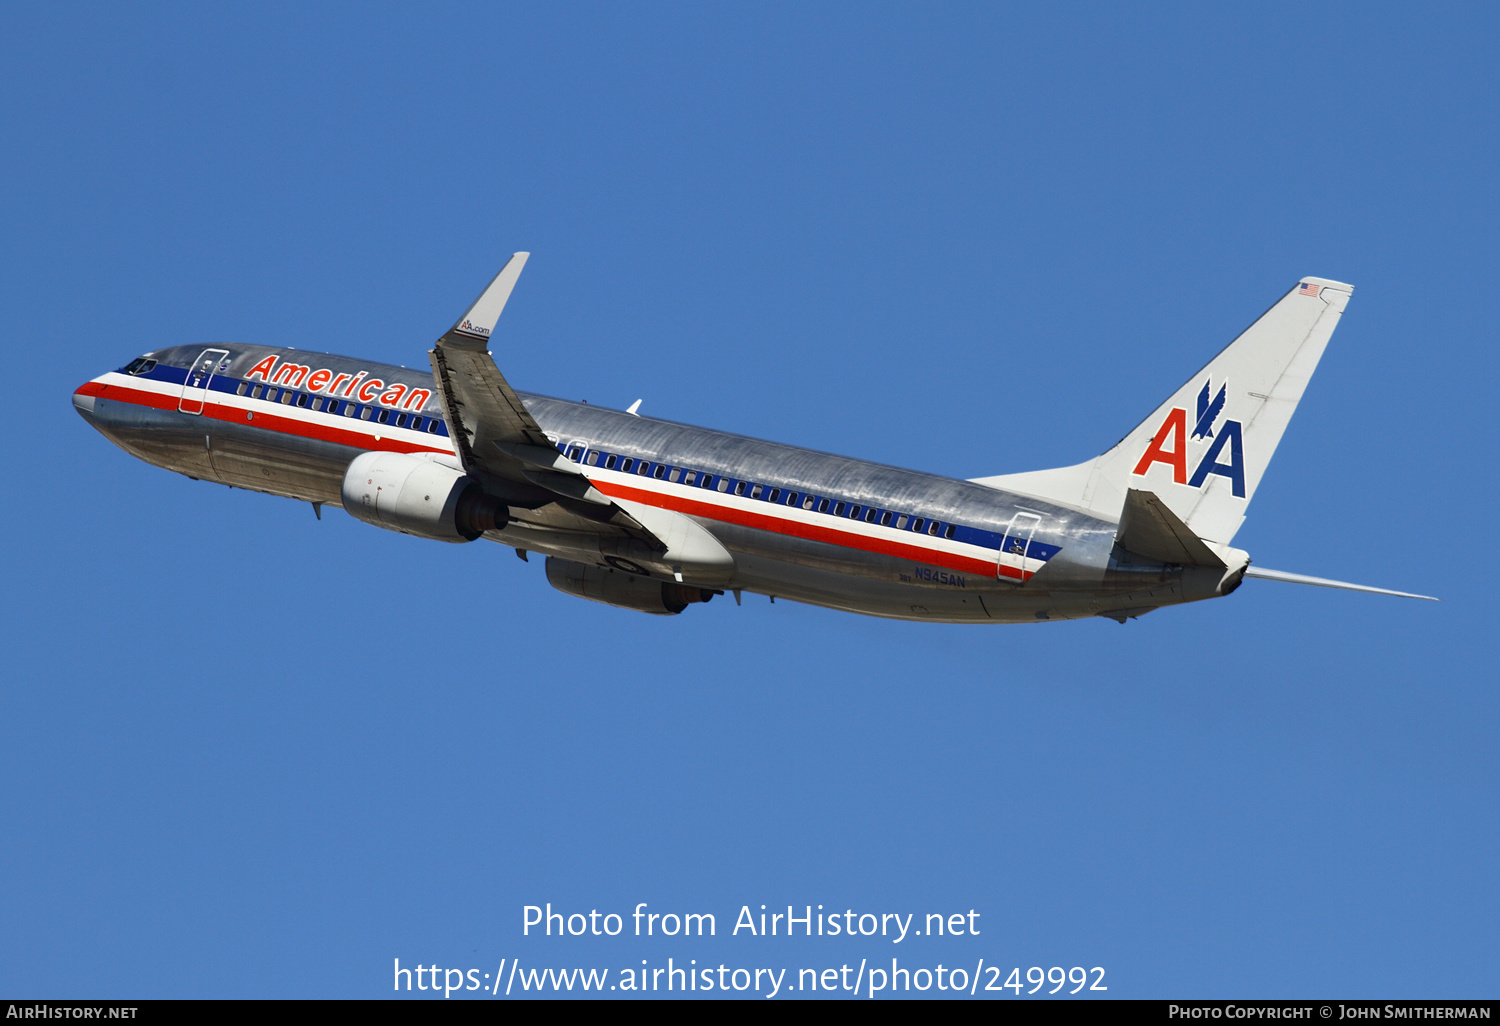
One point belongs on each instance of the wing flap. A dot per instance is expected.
(692, 552)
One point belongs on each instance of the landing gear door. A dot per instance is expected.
(1014, 563)
(195, 385)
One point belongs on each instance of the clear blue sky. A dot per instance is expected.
(248, 753)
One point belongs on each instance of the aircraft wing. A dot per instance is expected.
(501, 445)
(499, 442)
(472, 386)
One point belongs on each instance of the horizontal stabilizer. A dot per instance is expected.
(691, 549)
(1148, 528)
(1323, 582)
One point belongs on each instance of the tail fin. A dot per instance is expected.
(1204, 450)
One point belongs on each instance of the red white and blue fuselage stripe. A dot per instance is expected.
(956, 547)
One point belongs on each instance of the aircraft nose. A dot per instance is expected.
(83, 400)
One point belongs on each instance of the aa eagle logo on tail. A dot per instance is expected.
(1208, 412)
(1170, 444)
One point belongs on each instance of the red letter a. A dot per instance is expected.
(1176, 426)
(263, 369)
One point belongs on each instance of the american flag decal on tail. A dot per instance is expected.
(1307, 289)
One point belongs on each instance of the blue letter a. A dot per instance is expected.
(1235, 470)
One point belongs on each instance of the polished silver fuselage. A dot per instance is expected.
(217, 428)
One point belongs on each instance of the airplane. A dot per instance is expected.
(655, 516)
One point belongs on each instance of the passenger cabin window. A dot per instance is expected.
(270, 395)
(932, 528)
(244, 387)
(739, 489)
(286, 398)
(302, 398)
(807, 503)
(432, 426)
(674, 475)
(609, 464)
(364, 413)
(401, 420)
(723, 484)
(317, 403)
(791, 498)
(823, 506)
(643, 468)
(574, 453)
(916, 525)
(951, 529)
(626, 464)
(255, 392)
(900, 522)
(869, 516)
(755, 491)
(689, 477)
(659, 471)
(775, 495)
(838, 509)
(593, 459)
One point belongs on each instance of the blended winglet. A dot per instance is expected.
(478, 322)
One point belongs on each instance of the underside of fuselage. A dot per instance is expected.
(242, 442)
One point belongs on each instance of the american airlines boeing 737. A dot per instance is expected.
(654, 516)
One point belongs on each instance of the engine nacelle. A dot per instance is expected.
(619, 588)
(421, 497)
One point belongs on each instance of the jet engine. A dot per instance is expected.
(419, 496)
(619, 588)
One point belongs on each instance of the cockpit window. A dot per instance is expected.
(140, 365)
